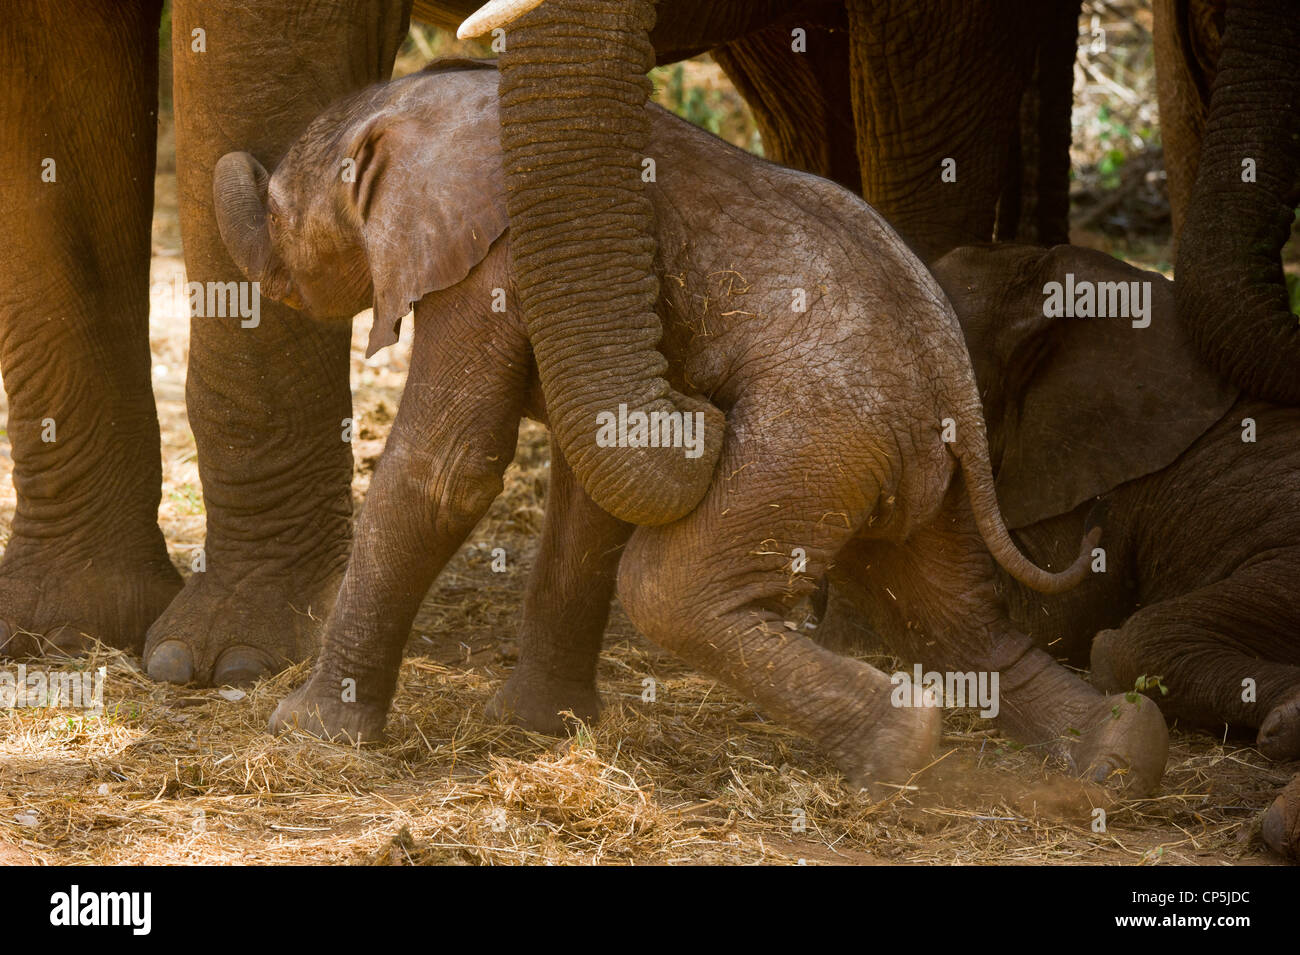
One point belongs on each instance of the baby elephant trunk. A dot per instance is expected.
(239, 193)
(972, 451)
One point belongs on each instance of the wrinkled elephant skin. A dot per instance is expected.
(838, 383)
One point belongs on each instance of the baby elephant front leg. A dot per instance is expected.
(453, 438)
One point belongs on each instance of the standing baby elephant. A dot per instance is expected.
(851, 411)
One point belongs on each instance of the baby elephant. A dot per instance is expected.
(1201, 516)
(852, 417)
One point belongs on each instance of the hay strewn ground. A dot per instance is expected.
(175, 775)
(180, 775)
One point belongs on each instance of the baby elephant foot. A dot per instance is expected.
(890, 751)
(325, 708)
(1281, 824)
(535, 703)
(1279, 734)
(1124, 743)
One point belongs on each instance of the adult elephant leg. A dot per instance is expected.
(1230, 290)
(933, 601)
(1186, 35)
(800, 96)
(565, 609)
(267, 403)
(1226, 652)
(78, 109)
(933, 82)
(1035, 206)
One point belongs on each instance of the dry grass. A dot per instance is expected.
(182, 775)
(177, 775)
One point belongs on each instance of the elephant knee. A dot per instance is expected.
(655, 589)
(454, 494)
(467, 498)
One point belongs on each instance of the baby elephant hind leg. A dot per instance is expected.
(565, 610)
(716, 587)
(932, 600)
(1226, 653)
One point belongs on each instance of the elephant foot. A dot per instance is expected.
(1121, 744)
(1279, 734)
(535, 703)
(324, 708)
(1281, 824)
(64, 604)
(892, 749)
(220, 632)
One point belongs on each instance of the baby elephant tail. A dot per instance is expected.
(973, 453)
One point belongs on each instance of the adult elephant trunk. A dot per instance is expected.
(1231, 292)
(574, 134)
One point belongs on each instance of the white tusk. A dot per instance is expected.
(493, 14)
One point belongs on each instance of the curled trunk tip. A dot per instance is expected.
(239, 192)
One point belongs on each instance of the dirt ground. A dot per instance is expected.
(696, 775)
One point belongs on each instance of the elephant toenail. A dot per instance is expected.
(1103, 771)
(171, 662)
(241, 666)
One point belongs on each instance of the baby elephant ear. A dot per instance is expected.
(429, 195)
(1112, 400)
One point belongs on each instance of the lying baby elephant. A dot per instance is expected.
(849, 399)
(1201, 490)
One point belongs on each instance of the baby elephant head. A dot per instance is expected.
(390, 194)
